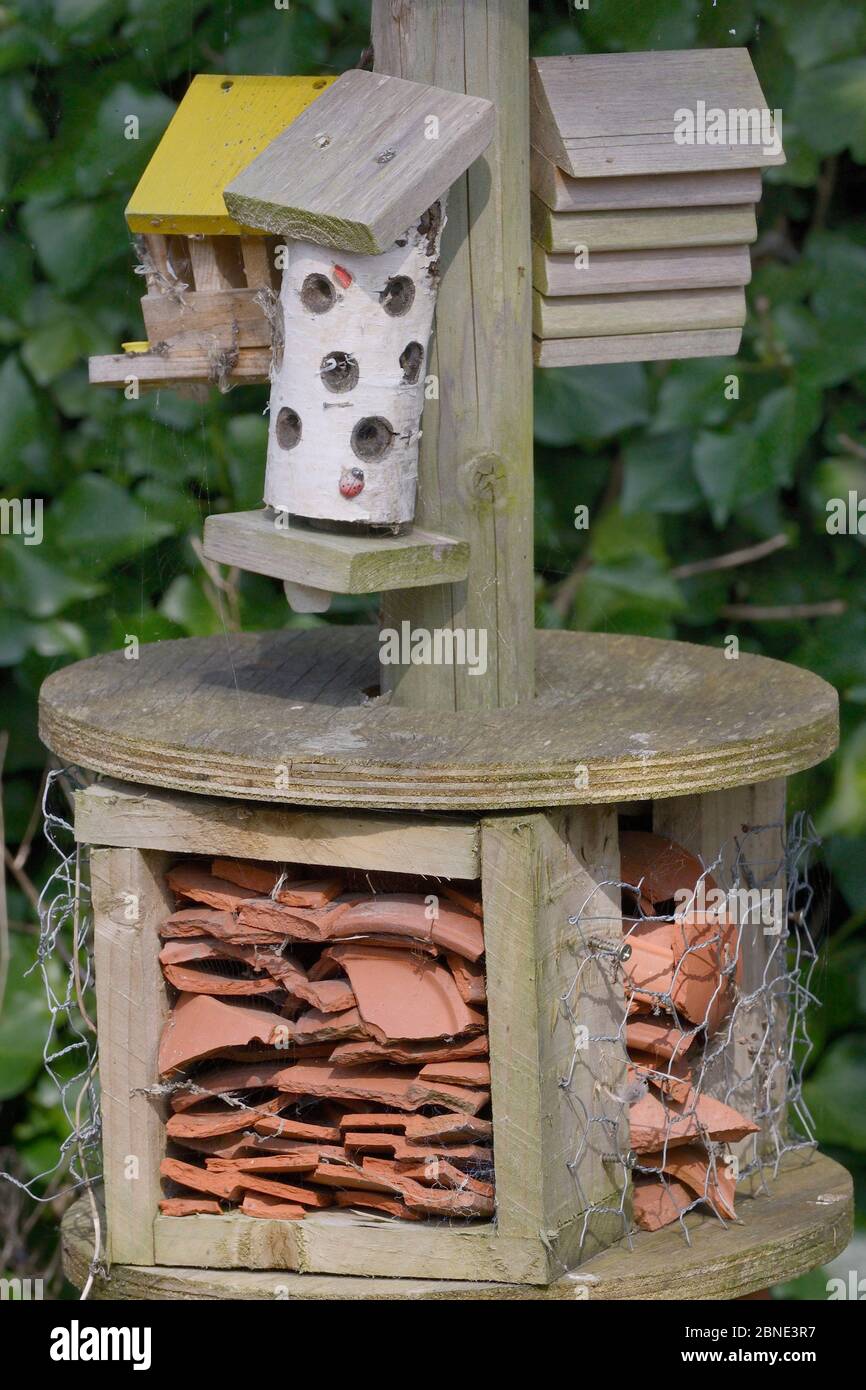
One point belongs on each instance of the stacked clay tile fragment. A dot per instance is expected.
(326, 1045)
(680, 983)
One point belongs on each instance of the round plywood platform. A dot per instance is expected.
(804, 1223)
(283, 716)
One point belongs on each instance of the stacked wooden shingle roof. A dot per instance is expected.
(640, 237)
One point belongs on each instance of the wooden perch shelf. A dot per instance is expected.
(337, 563)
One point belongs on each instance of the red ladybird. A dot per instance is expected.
(351, 482)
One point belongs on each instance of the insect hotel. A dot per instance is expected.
(428, 978)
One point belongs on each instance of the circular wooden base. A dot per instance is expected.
(282, 716)
(805, 1222)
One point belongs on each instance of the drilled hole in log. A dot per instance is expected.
(371, 438)
(318, 294)
(410, 360)
(339, 371)
(288, 428)
(398, 296)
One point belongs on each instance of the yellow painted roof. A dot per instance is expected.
(219, 127)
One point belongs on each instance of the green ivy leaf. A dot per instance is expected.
(575, 404)
(836, 1094)
(24, 1021)
(101, 524)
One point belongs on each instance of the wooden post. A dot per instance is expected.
(475, 474)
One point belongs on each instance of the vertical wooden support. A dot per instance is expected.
(537, 872)
(129, 900)
(216, 263)
(475, 476)
(753, 1072)
(258, 262)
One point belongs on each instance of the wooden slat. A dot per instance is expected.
(633, 229)
(129, 899)
(216, 264)
(177, 364)
(635, 347)
(608, 272)
(259, 263)
(364, 164)
(603, 114)
(601, 315)
(112, 813)
(231, 318)
(475, 474)
(339, 564)
(720, 187)
(219, 126)
(804, 1222)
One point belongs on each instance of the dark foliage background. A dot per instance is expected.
(672, 471)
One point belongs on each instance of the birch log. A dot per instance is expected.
(348, 378)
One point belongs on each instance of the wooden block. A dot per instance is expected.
(716, 188)
(634, 229)
(607, 272)
(258, 259)
(600, 315)
(189, 362)
(635, 347)
(603, 114)
(231, 318)
(336, 563)
(221, 123)
(112, 813)
(130, 898)
(364, 164)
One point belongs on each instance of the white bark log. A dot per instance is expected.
(351, 454)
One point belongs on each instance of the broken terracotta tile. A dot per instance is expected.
(223, 926)
(451, 1097)
(673, 1077)
(468, 977)
(658, 866)
(262, 878)
(330, 996)
(299, 1161)
(659, 1201)
(218, 1146)
(240, 1077)
(231, 1120)
(381, 1202)
(436, 1202)
(658, 1036)
(654, 1122)
(439, 1172)
(328, 965)
(428, 1129)
(285, 1127)
(223, 1185)
(467, 896)
(189, 1206)
(271, 1208)
(379, 1119)
(200, 1025)
(192, 881)
(287, 1192)
(315, 1026)
(188, 980)
(295, 923)
(380, 1143)
(713, 1183)
(349, 1176)
(404, 998)
(406, 914)
(457, 1073)
(367, 1052)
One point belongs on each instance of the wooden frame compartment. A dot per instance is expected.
(535, 869)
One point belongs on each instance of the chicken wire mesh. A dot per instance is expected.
(688, 1013)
